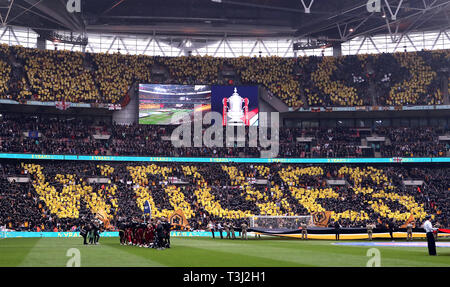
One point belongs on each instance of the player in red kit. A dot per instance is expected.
(149, 235)
(140, 231)
(129, 234)
(138, 234)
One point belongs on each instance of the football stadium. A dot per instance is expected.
(216, 133)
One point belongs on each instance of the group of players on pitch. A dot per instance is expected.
(91, 231)
(153, 234)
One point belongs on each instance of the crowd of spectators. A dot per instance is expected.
(5, 69)
(115, 73)
(328, 142)
(417, 142)
(413, 80)
(193, 70)
(397, 79)
(274, 73)
(60, 195)
(417, 85)
(57, 75)
(50, 135)
(331, 81)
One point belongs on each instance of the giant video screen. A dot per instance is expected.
(158, 103)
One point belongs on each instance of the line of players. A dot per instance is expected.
(153, 234)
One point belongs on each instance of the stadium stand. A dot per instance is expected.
(57, 75)
(274, 73)
(50, 135)
(60, 194)
(312, 134)
(407, 78)
(114, 74)
(323, 87)
(5, 69)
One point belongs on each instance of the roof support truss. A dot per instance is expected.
(307, 7)
(393, 15)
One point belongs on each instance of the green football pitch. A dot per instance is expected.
(161, 118)
(200, 252)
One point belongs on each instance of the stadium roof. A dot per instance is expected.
(335, 20)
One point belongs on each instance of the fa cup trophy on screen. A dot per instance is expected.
(235, 110)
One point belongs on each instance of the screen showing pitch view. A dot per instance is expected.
(158, 104)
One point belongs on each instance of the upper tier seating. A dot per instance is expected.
(409, 78)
